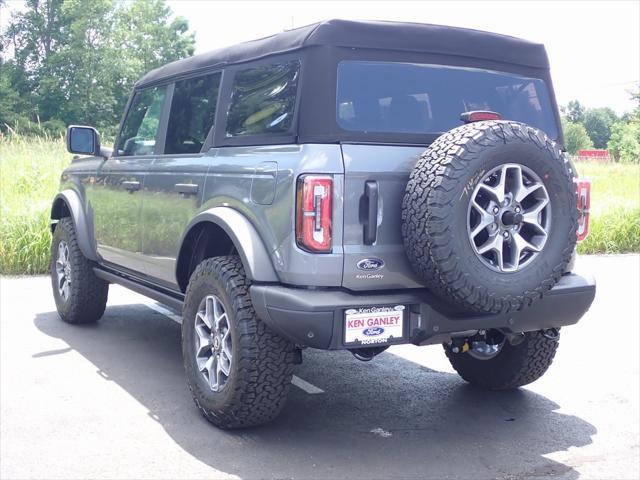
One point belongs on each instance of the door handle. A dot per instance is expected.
(131, 186)
(186, 188)
(371, 219)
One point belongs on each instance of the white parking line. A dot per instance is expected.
(297, 381)
(306, 386)
(165, 311)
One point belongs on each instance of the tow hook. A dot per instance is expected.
(367, 354)
(484, 345)
(460, 348)
(551, 333)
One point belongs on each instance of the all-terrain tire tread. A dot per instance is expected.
(524, 364)
(266, 360)
(88, 293)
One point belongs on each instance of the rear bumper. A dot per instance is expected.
(315, 318)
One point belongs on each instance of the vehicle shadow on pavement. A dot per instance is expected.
(389, 418)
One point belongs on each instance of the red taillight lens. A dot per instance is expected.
(479, 115)
(583, 191)
(313, 213)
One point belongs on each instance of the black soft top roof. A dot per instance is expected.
(378, 35)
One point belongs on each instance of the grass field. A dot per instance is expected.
(29, 175)
(615, 208)
(30, 171)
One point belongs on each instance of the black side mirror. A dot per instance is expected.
(83, 140)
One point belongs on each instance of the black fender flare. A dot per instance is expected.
(83, 225)
(253, 254)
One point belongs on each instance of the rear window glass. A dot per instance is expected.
(263, 100)
(416, 98)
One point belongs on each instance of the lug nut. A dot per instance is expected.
(517, 209)
(505, 234)
(496, 209)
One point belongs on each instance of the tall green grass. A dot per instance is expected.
(615, 208)
(30, 170)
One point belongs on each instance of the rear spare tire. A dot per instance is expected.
(489, 216)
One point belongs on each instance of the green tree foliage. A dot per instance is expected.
(154, 38)
(10, 101)
(598, 123)
(75, 61)
(624, 144)
(575, 137)
(574, 111)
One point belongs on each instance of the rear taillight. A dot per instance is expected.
(479, 115)
(313, 213)
(583, 191)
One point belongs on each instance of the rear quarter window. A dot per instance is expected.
(419, 99)
(263, 100)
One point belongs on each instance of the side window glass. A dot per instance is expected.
(263, 99)
(193, 109)
(138, 135)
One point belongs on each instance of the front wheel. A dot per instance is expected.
(505, 366)
(80, 296)
(237, 369)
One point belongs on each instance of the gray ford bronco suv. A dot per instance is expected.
(344, 185)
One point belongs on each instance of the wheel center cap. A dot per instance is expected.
(511, 218)
(216, 343)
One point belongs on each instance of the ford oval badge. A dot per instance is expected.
(370, 264)
(373, 331)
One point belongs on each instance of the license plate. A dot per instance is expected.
(372, 325)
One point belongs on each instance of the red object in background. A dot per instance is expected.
(593, 153)
(583, 192)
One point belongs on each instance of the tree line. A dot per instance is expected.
(75, 61)
(601, 128)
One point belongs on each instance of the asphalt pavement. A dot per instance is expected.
(110, 401)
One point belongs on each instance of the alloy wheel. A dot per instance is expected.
(213, 342)
(509, 217)
(63, 270)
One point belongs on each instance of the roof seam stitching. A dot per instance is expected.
(308, 36)
(224, 64)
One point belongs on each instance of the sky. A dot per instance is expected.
(593, 46)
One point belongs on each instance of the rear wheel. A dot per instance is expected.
(503, 365)
(237, 369)
(80, 296)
